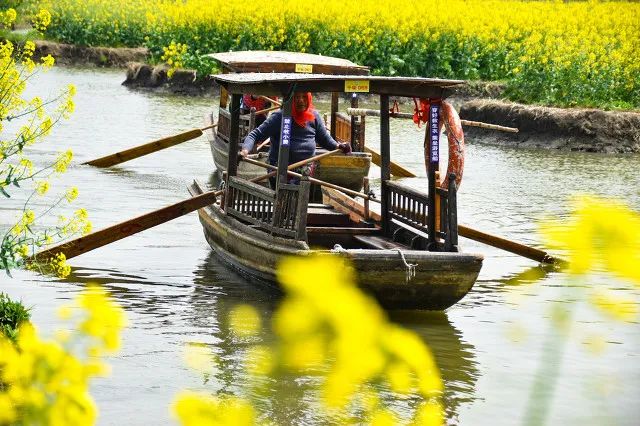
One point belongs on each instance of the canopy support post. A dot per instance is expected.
(432, 157)
(285, 138)
(234, 137)
(385, 162)
(335, 97)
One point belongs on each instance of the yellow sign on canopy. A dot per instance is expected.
(304, 68)
(356, 86)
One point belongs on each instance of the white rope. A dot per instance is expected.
(410, 267)
(338, 249)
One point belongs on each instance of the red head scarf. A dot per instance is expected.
(307, 115)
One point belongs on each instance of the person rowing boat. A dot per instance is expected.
(307, 131)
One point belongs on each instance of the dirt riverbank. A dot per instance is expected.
(588, 130)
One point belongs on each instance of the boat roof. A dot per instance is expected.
(276, 61)
(276, 84)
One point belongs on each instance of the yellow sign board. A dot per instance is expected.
(304, 68)
(356, 86)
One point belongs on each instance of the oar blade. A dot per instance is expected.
(148, 148)
(127, 228)
(396, 169)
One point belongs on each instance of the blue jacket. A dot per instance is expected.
(303, 140)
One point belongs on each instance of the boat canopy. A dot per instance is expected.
(277, 84)
(270, 61)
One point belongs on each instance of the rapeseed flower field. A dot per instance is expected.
(558, 53)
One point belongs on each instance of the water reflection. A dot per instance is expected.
(454, 356)
(289, 399)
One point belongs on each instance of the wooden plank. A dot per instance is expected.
(377, 242)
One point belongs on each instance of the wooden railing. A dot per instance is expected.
(224, 125)
(343, 130)
(282, 213)
(410, 207)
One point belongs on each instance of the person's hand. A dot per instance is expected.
(345, 147)
(243, 154)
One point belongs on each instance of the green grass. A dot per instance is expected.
(12, 315)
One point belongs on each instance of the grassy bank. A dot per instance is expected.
(553, 53)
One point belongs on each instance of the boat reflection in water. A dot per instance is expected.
(291, 399)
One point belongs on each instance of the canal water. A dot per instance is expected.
(491, 347)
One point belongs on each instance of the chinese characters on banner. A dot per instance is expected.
(434, 129)
(286, 130)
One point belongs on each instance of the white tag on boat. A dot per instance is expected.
(304, 68)
(361, 86)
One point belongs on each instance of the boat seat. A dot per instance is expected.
(321, 216)
(377, 242)
(341, 230)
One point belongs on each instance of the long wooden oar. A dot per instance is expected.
(348, 204)
(316, 181)
(396, 169)
(148, 148)
(130, 227)
(508, 245)
(157, 145)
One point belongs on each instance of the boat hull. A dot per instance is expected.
(440, 280)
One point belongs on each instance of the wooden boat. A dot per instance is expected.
(344, 170)
(408, 257)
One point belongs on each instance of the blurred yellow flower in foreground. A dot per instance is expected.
(44, 381)
(327, 327)
(601, 234)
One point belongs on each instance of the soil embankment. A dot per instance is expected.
(155, 77)
(586, 130)
(69, 54)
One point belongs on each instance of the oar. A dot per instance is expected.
(273, 101)
(508, 245)
(316, 181)
(130, 227)
(395, 168)
(157, 145)
(473, 234)
(148, 148)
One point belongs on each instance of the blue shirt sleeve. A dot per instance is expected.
(269, 129)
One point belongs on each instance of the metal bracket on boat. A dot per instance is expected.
(397, 234)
